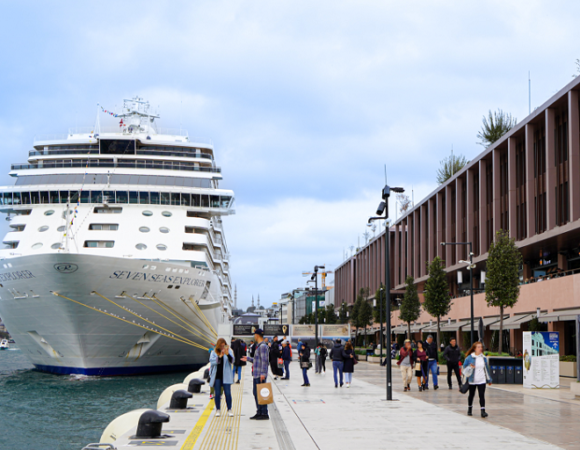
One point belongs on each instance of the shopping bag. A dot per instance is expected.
(264, 391)
(280, 363)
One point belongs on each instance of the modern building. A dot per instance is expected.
(527, 182)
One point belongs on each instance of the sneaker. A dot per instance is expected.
(436, 387)
(230, 413)
(420, 388)
(211, 396)
(336, 385)
(450, 387)
(347, 385)
(238, 382)
(217, 413)
(255, 417)
(483, 413)
(405, 390)
(263, 417)
(341, 384)
(276, 378)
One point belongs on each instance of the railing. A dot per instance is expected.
(191, 154)
(97, 163)
(118, 130)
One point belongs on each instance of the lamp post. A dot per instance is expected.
(384, 209)
(471, 267)
(315, 276)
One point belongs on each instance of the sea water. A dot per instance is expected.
(59, 412)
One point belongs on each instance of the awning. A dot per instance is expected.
(430, 328)
(568, 314)
(515, 322)
(486, 322)
(401, 329)
(454, 326)
(418, 327)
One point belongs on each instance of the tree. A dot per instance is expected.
(495, 125)
(330, 315)
(437, 300)
(365, 317)
(380, 297)
(450, 166)
(343, 313)
(404, 202)
(410, 309)
(502, 282)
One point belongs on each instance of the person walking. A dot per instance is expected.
(452, 355)
(476, 371)
(421, 365)
(259, 371)
(317, 368)
(406, 364)
(305, 363)
(336, 354)
(348, 363)
(222, 374)
(275, 354)
(322, 356)
(432, 355)
(287, 358)
(239, 349)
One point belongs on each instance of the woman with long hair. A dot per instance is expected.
(348, 368)
(421, 365)
(222, 374)
(476, 370)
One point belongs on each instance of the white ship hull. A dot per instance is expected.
(145, 319)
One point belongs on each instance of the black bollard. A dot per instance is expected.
(206, 374)
(179, 399)
(195, 385)
(150, 424)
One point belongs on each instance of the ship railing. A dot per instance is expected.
(165, 165)
(192, 154)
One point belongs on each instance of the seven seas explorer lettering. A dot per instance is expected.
(12, 276)
(156, 278)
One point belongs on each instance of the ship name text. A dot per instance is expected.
(156, 278)
(13, 276)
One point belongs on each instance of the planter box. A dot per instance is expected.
(575, 388)
(568, 369)
(361, 357)
(374, 359)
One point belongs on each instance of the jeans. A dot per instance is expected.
(218, 385)
(317, 368)
(305, 376)
(453, 366)
(348, 377)
(262, 410)
(238, 369)
(480, 390)
(287, 369)
(337, 366)
(433, 370)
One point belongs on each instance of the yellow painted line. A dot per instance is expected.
(196, 432)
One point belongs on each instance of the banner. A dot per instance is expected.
(541, 359)
(303, 330)
(244, 330)
(276, 330)
(336, 331)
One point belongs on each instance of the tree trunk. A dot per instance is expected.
(438, 343)
(409, 329)
(500, 330)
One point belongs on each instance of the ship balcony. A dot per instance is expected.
(172, 153)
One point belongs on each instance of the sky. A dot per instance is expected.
(306, 102)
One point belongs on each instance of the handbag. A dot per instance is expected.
(417, 366)
(464, 387)
(355, 361)
(280, 363)
(305, 365)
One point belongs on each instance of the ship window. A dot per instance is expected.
(205, 201)
(141, 247)
(101, 210)
(7, 198)
(144, 229)
(11, 244)
(37, 245)
(117, 146)
(99, 244)
(122, 197)
(225, 201)
(165, 198)
(17, 227)
(61, 228)
(166, 214)
(133, 197)
(44, 197)
(144, 198)
(185, 199)
(195, 200)
(154, 198)
(109, 197)
(96, 197)
(64, 196)
(55, 245)
(161, 247)
(50, 212)
(43, 228)
(85, 197)
(175, 199)
(147, 213)
(104, 226)
(26, 198)
(215, 201)
(54, 197)
(164, 230)
(16, 198)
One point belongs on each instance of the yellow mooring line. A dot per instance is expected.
(198, 428)
(224, 431)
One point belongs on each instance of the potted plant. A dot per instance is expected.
(568, 367)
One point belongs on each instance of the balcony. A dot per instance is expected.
(165, 165)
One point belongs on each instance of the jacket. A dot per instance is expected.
(348, 362)
(469, 372)
(286, 353)
(431, 350)
(228, 368)
(404, 354)
(305, 354)
(452, 354)
(323, 353)
(260, 361)
(239, 349)
(275, 351)
(337, 353)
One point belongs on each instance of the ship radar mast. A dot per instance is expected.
(136, 117)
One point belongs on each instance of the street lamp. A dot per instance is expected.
(471, 267)
(384, 209)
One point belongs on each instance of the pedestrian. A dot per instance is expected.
(452, 355)
(305, 363)
(287, 358)
(221, 374)
(252, 348)
(406, 363)
(317, 365)
(259, 371)
(348, 363)
(476, 371)
(239, 350)
(322, 356)
(336, 354)
(299, 346)
(275, 354)
(421, 365)
(432, 355)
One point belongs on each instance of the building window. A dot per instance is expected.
(99, 244)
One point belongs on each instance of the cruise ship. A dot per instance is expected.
(115, 262)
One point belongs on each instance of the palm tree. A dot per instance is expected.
(495, 125)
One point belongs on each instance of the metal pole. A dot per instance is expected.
(316, 306)
(388, 312)
(381, 320)
(471, 290)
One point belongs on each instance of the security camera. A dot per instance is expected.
(381, 208)
(443, 243)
